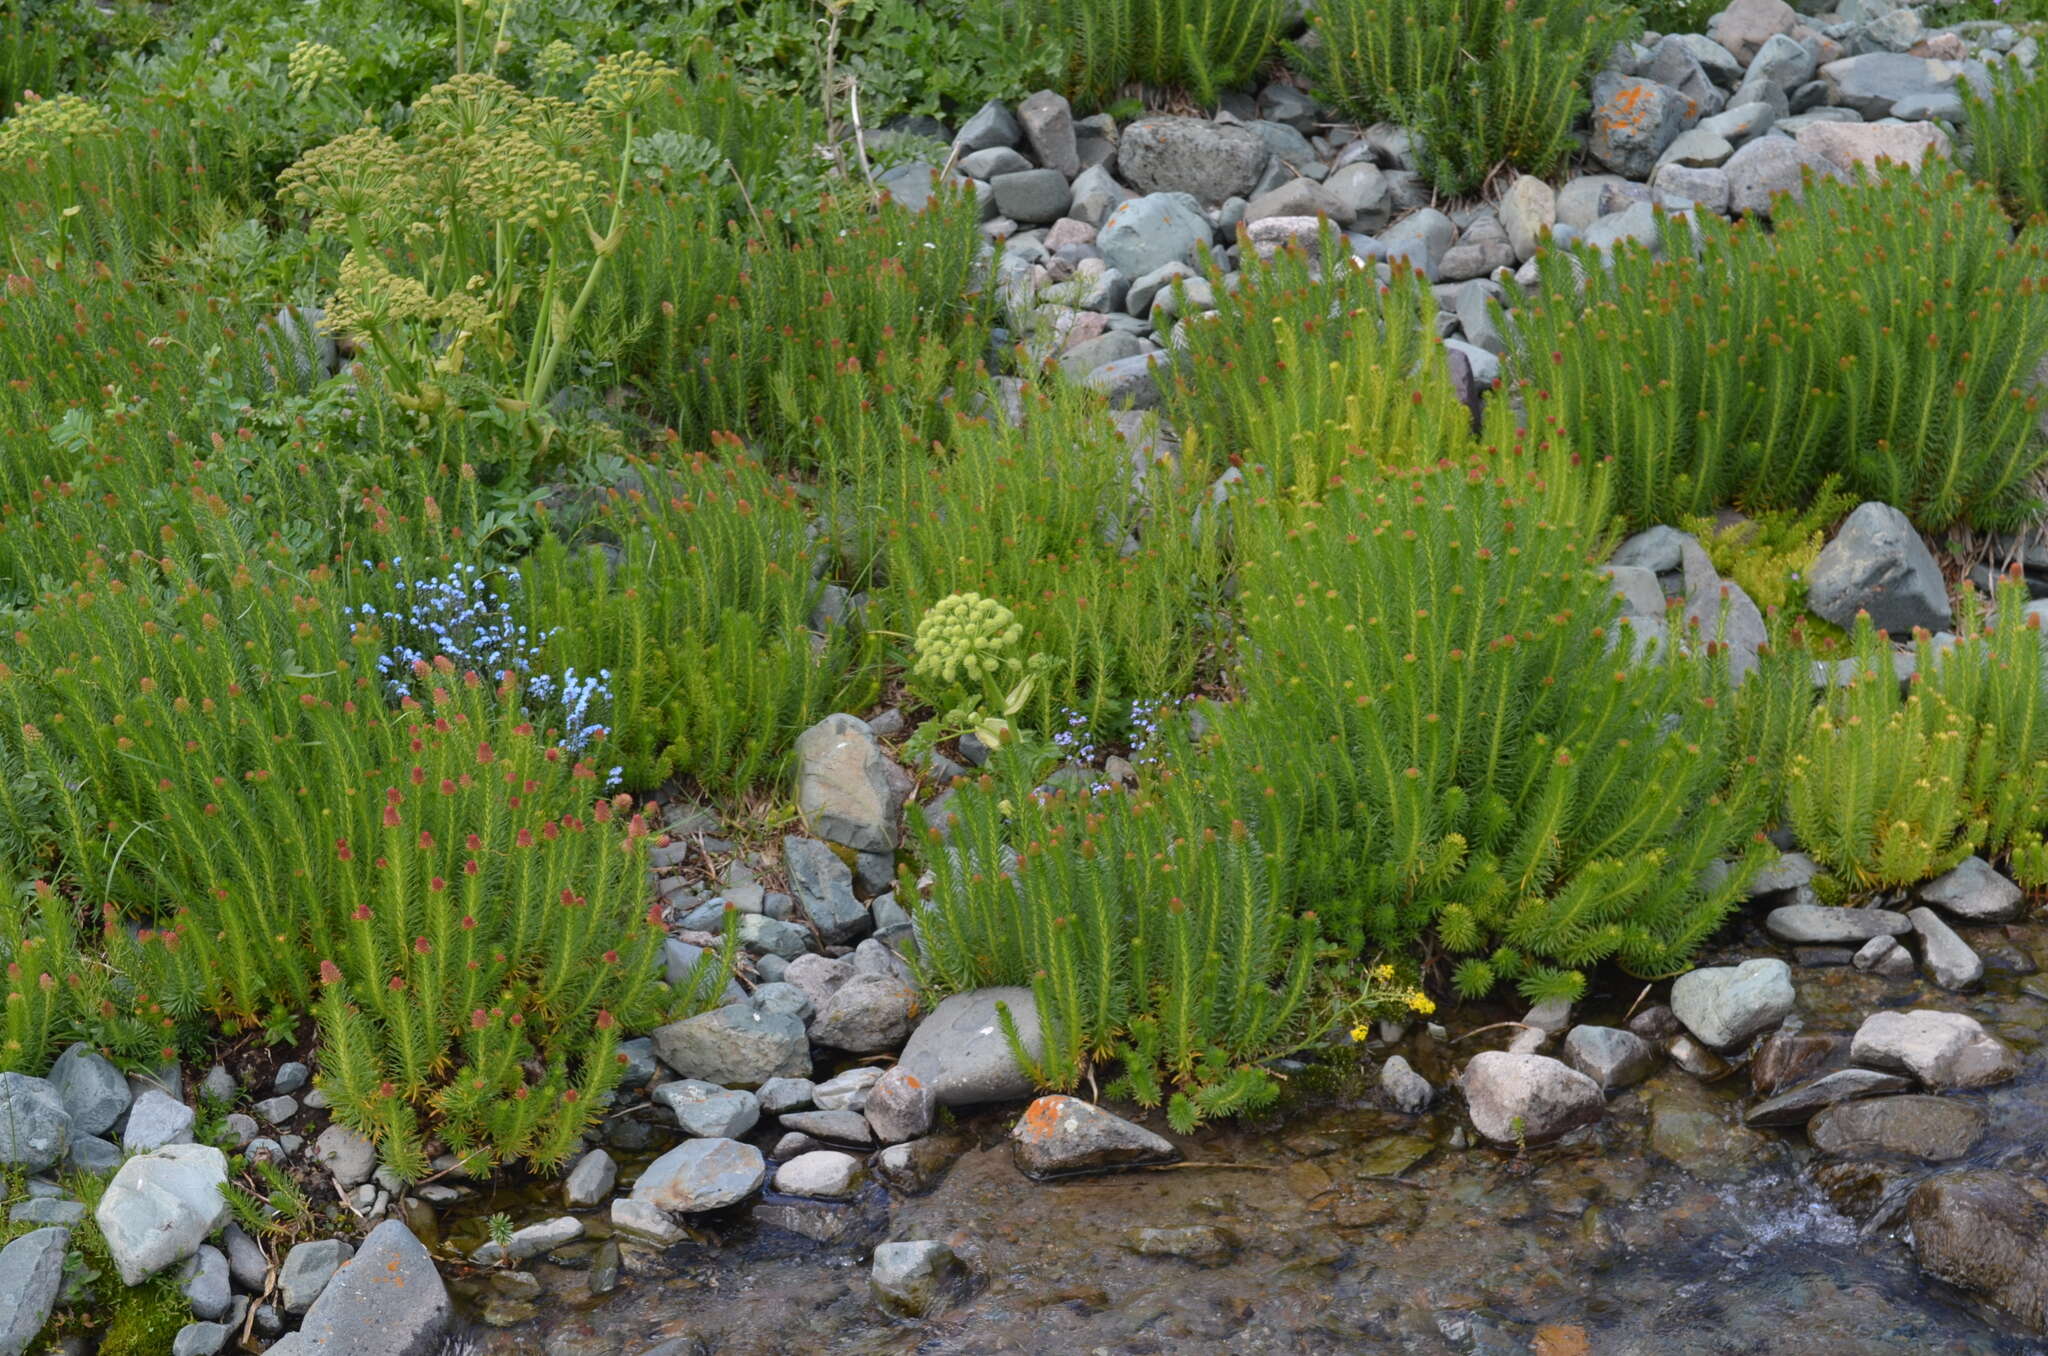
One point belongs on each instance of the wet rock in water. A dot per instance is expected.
(825, 1174)
(387, 1301)
(543, 1237)
(31, 1274)
(1949, 960)
(1725, 1005)
(1406, 1090)
(915, 1167)
(1986, 1232)
(1820, 957)
(93, 1091)
(849, 790)
(1654, 1023)
(708, 1111)
(161, 1206)
(735, 1046)
(778, 1095)
(1058, 1135)
(1700, 1133)
(1937, 1129)
(899, 1107)
(1860, 1187)
(1785, 1057)
(1884, 956)
(961, 1054)
(1972, 892)
(35, 1129)
(604, 1268)
(846, 1092)
(906, 1278)
(1609, 1056)
(1520, 1098)
(590, 1181)
(839, 1127)
(639, 1222)
(868, 1014)
(1800, 1104)
(1941, 1049)
(1821, 925)
(702, 1174)
(1205, 1245)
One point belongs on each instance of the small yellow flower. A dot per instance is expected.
(1358, 1034)
(1383, 973)
(1419, 1002)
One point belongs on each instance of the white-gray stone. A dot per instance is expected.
(161, 1206)
(1209, 161)
(1725, 1005)
(307, 1269)
(31, 1274)
(1825, 925)
(735, 1046)
(204, 1283)
(824, 1174)
(590, 1181)
(899, 1107)
(645, 1223)
(1142, 235)
(906, 1277)
(708, 1111)
(1941, 1049)
(1974, 892)
(348, 1156)
(1528, 1098)
(156, 1119)
(1948, 958)
(866, 1015)
(702, 1174)
(1610, 1056)
(1406, 1090)
(35, 1129)
(961, 1053)
(1878, 564)
(93, 1091)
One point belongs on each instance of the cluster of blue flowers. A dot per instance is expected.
(461, 617)
(1075, 742)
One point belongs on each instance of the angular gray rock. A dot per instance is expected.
(201, 1339)
(161, 1206)
(1422, 238)
(1142, 235)
(849, 790)
(348, 1156)
(388, 1300)
(1878, 564)
(31, 1274)
(307, 1269)
(1048, 122)
(778, 1095)
(92, 1089)
(1058, 1135)
(822, 1174)
(991, 125)
(784, 998)
(203, 1280)
(1745, 25)
(702, 1174)
(1634, 120)
(590, 1181)
(1528, 1098)
(823, 884)
(1876, 83)
(961, 1054)
(1935, 1129)
(905, 1278)
(1609, 1056)
(1761, 169)
(1826, 925)
(1723, 1006)
(847, 1091)
(1032, 197)
(708, 1111)
(1987, 1232)
(818, 976)
(1972, 892)
(1945, 1050)
(1360, 189)
(35, 1129)
(1210, 161)
(1883, 956)
(1096, 194)
(1406, 1090)
(1799, 1104)
(899, 1107)
(644, 1223)
(156, 1119)
(735, 1047)
(839, 1127)
(1948, 959)
(867, 1015)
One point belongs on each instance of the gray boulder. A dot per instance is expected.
(1822, 925)
(1527, 211)
(906, 1277)
(899, 1107)
(991, 125)
(1935, 1129)
(1298, 198)
(1972, 892)
(735, 1047)
(819, 977)
(1361, 190)
(1059, 1135)
(1406, 1090)
(388, 1300)
(1422, 238)
(1634, 120)
(161, 1206)
(1609, 1056)
(590, 1181)
(1883, 956)
(1948, 958)
(708, 1111)
(203, 1280)
(1762, 169)
(307, 1269)
(1723, 1006)
(961, 1054)
(1528, 1098)
(1783, 62)
(1210, 161)
(1032, 197)
(1799, 1104)
(867, 1015)
(824, 886)
(31, 1274)
(1142, 235)
(1876, 83)
(93, 1091)
(1878, 564)
(1746, 25)
(839, 1127)
(348, 1156)
(156, 1119)
(702, 1174)
(849, 790)
(1986, 1232)
(1048, 122)
(822, 1174)
(1096, 194)
(203, 1339)
(1944, 1050)
(35, 1129)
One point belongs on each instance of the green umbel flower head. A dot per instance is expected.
(627, 82)
(966, 637)
(41, 125)
(313, 64)
(359, 176)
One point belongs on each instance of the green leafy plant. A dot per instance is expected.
(966, 661)
(1484, 84)
(2004, 125)
(1885, 331)
(1202, 47)
(1770, 554)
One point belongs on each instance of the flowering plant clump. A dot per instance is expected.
(42, 126)
(964, 652)
(312, 65)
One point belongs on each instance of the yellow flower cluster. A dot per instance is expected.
(360, 176)
(370, 298)
(627, 82)
(41, 125)
(313, 64)
(555, 60)
(467, 107)
(522, 183)
(965, 635)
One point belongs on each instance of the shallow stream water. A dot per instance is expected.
(1668, 1230)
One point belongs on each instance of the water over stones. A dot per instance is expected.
(1945, 1050)
(1988, 1232)
(1937, 1129)
(1528, 1098)
(1060, 1135)
(1699, 1132)
(906, 1278)
(1206, 1245)
(1800, 1104)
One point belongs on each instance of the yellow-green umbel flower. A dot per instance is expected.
(44, 125)
(565, 129)
(627, 82)
(965, 637)
(555, 60)
(465, 107)
(370, 298)
(359, 176)
(517, 180)
(313, 64)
